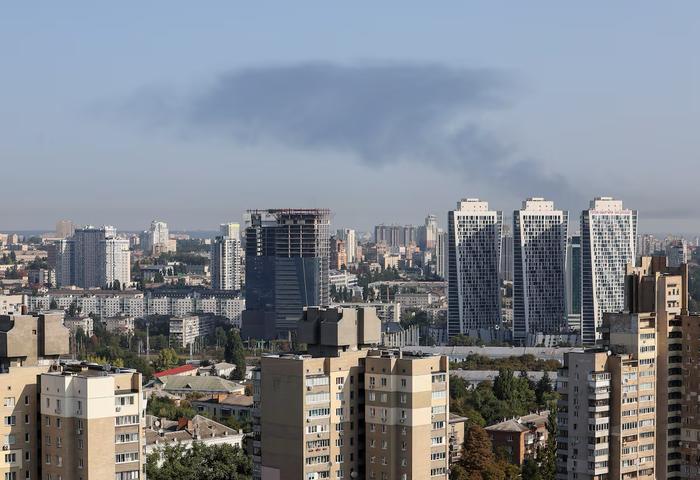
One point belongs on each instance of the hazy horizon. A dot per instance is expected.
(381, 112)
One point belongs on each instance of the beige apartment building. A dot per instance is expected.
(29, 346)
(64, 422)
(349, 410)
(621, 404)
(92, 423)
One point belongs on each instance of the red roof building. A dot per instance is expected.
(182, 370)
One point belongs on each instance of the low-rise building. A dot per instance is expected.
(123, 325)
(520, 437)
(161, 433)
(223, 407)
(186, 385)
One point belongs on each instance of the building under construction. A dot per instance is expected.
(287, 259)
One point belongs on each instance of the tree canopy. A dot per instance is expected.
(201, 462)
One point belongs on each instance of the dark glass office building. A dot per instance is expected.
(287, 259)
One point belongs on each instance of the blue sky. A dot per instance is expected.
(119, 113)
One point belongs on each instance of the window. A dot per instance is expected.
(318, 397)
(123, 400)
(319, 412)
(10, 457)
(339, 458)
(437, 440)
(8, 402)
(126, 457)
(10, 420)
(126, 420)
(314, 381)
(316, 428)
(439, 393)
(122, 438)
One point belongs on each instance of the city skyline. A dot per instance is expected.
(571, 110)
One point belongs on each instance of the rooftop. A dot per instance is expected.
(175, 371)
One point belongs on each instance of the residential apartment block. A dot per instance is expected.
(347, 409)
(608, 245)
(226, 256)
(184, 331)
(625, 406)
(539, 269)
(64, 421)
(92, 423)
(474, 252)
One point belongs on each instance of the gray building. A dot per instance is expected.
(287, 263)
(539, 269)
(474, 252)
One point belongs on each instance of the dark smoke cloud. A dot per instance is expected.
(381, 114)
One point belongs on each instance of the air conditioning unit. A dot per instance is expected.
(119, 409)
(5, 447)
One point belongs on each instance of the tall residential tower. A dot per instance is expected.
(539, 268)
(608, 245)
(474, 251)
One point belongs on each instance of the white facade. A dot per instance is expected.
(231, 230)
(226, 263)
(431, 232)
(608, 245)
(441, 254)
(350, 238)
(115, 262)
(539, 268)
(131, 304)
(474, 249)
(184, 330)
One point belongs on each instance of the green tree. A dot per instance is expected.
(531, 470)
(220, 336)
(167, 358)
(548, 463)
(478, 460)
(235, 353)
(200, 462)
(53, 305)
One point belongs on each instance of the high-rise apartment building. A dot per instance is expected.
(506, 265)
(64, 421)
(156, 239)
(474, 252)
(92, 421)
(607, 415)
(287, 262)
(573, 281)
(29, 346)
(349, 410)
(349, 236)
(114, 262)
(92, 258)
(635, 385)
(60, 258)
(231, 230)
(677, 252)
(396, 235)
(539, 269)
(225, 266)
(430, 232)
(64, 229)
(338, 254)
(441, 254)
(608, 245)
